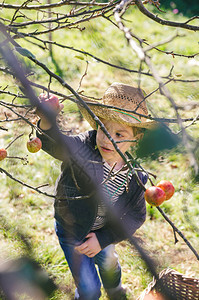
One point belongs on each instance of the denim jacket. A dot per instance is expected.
(75, 203)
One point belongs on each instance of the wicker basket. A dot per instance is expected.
(179, 286)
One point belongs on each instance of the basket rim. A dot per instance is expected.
(168, 273)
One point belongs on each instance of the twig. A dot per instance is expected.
(21, 158)
(14, 140)
(102, 60)
(175, 229)
(163, 89)
(192, 123)
(150, 15)
(53, 5)
(25, 184)
(142, 55)
(85, 73)
(19, 115)
(39, 191)
(58, 19)
(2, 128)
(93, 15)
(129, 141)
(42, 185)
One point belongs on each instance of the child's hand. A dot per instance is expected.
(53, 102)
(91, 247)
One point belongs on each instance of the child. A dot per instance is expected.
(83, 224)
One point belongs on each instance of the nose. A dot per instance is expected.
(105, 138)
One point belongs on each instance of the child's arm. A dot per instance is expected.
(49, 144)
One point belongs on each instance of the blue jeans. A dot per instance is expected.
(84, 272)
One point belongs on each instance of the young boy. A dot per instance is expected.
(84, 224)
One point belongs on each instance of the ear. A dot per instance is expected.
(138, 134)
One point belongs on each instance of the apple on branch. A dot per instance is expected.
(167, 187)
(3, 154)
(34, 144)
(155, 196)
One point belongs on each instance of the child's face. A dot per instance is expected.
(118, 132)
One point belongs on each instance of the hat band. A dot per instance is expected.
(122, 112)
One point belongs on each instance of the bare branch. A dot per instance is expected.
(14, 140)
(193, 122)
(62, 18)
(21, 35)
(179, 232)
(150, 15)
(85, 73)
(19, 115)
(53, 5)
(163, 89)
(25, 184)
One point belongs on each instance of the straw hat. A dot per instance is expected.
(119, 96)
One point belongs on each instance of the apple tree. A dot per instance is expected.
(77, 48)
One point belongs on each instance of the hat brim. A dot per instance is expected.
(114, 114)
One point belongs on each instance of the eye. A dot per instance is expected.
(118, 135)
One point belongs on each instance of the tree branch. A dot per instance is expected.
(178, 231)
(57, 4)
(163, 89)
(150, 15)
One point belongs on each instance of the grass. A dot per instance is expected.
(32, 213)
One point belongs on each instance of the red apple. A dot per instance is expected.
(154, 195)
(34, 145)
(167, 187)
(52, 100)
(154, 295)
(3, 154)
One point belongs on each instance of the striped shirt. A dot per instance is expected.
(113, 185)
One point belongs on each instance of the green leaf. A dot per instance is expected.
(79, 57)
(25, 52)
